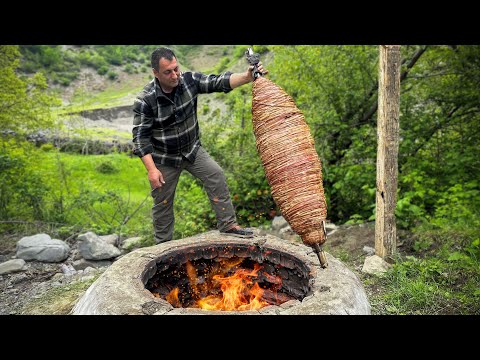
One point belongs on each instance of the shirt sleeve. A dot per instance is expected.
(213, 83)
(142, 128)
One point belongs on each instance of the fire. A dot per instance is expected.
(239, 292)
(217, 291)
(172, 297)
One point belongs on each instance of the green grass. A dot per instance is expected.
(440, 281)
(98, 192)
(108, 134)
(130, 176)
(81, 192)
(58, 300)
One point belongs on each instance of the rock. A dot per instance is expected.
(68, 270)
(375, 265)
(278, 223)
(110, 239)
(368, 250)
(84, 264)
(92, 247)
(42, 247)
(131, 243)
(11, 266)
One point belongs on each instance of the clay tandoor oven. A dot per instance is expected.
(214, 274)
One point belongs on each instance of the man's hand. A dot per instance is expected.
(155, 177)
(260, 69)
(238, 79)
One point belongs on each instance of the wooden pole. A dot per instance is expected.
(387, 150)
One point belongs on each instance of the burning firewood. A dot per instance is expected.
(291, 163)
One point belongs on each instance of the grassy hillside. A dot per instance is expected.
(102, 76)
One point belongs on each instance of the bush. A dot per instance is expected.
(112, 75)
(47, 147)
(106, 167)
(129, 69)
(102, 70)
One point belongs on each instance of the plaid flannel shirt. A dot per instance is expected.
(168, 129)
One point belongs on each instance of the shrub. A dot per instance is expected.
(102, 70)
(106, 167)
(112, 75)
(47, 147)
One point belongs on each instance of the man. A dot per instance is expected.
(166, 138)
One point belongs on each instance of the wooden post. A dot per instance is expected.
(387, 150)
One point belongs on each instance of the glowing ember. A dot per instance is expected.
(215, 290)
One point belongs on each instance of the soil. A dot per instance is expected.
(42, 288)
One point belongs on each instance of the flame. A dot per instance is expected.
(229, 293)
(239, 292)
(192, 276)
(172, 298)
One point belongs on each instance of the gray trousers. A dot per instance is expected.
(211, 175)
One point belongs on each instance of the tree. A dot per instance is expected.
(25, 105)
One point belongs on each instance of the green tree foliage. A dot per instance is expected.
(61, 67)
(25, 105)
(336, 88)
(440, 129)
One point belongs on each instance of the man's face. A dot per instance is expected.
(168, 74)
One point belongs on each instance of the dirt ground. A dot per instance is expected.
(43, 288)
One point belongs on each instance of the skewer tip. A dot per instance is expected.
(322, 257)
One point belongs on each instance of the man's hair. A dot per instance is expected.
(162, 52)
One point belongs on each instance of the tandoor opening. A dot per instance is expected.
(229, 277)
